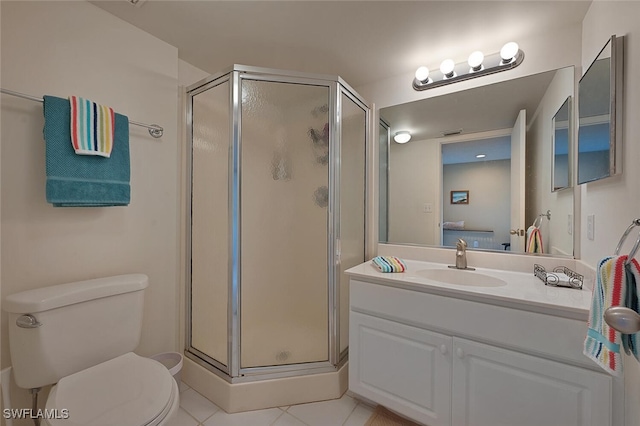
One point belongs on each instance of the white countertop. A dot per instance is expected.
(522, 291)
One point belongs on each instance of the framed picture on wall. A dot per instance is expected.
(459, 197)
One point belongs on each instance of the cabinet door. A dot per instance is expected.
(498, 387)
(406, 369)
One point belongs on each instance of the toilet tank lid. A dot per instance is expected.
(56, 296)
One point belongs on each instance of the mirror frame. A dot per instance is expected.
(554, 128)
(616, 61)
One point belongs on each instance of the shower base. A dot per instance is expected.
(247, 396)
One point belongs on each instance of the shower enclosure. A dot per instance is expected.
(277, 209)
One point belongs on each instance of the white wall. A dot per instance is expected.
(556, 238)
(615, 201)
(63, 48)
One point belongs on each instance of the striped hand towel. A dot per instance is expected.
(388, 264)
(630, 342)
(92, 127)
(602, 343)
(534, 240)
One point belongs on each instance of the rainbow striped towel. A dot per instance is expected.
(602, 343)
(92, 127)
(534, 240)
(388, 264)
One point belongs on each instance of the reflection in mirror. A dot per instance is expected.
(384, 138)
(600, 114)
(561, 175)
(500, 120)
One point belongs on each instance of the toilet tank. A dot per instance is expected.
(81, 324)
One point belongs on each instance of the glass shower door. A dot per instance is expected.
(351, 224)
(210, 219)
(284, 200)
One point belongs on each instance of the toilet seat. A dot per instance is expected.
(127, 390)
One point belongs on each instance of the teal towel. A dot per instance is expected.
(83, 180)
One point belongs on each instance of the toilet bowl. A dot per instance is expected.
(79, 337)
(127, 390)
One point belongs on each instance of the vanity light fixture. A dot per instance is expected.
(402, 136)
(509, 57)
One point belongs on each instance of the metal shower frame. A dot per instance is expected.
(232, 372)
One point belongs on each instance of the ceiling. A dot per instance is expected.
(362, 41)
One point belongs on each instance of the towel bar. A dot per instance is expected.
(634, 249)
(538, 220)
(154, 130)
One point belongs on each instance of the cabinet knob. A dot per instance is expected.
(443, 349)
(460, 353)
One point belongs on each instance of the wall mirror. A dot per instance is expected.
(561, 124)
(493, 141)
(600, 115)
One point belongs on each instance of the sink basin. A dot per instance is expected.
(461, 277)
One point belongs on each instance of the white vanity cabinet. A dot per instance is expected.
(448, 360)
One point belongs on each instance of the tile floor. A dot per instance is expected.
(196, 410)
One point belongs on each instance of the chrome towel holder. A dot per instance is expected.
(154, 130)
(634, 249)
(538, 220)
(622, 319)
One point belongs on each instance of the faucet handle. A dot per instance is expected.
(461, 244)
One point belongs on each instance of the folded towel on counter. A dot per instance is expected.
(92, 127)
(83, 180)
(388, 264)
(453, 225)
(602, 343)
(534, 240)
(558, 278)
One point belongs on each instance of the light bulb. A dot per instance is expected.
(475, 60)
(402, 136)
(422, 74)
(446, 67)
(480, 155)
(508, 52)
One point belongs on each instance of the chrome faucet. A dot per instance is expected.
(461, 255)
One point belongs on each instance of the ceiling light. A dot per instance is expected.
(402, 136)
(481, 155)
(509, 57)
(447, 68)
(509, 52)
(475, 61)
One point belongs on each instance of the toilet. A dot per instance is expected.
(80, 338)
